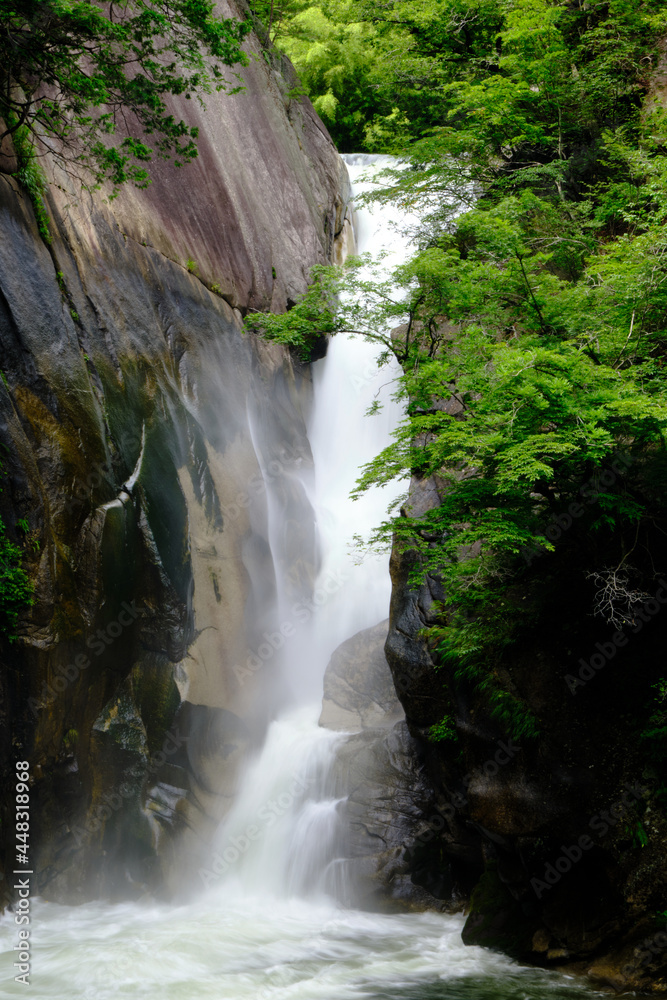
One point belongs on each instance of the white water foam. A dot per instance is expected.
(260, 949)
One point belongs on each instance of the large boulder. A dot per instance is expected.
(389, 812)
(358, 688)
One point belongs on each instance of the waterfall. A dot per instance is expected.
(346, 383)
(281, 834)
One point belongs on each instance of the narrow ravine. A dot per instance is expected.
(265, 921)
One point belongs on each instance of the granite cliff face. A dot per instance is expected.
(138, 423)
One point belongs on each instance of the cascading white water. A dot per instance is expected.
(287, 794)
(261, 926)
(349, 596)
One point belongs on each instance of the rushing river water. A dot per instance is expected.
(260, 948)
(268, 926)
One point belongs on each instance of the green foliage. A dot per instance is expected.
(84, 79)
(533, 312)
(31, 176)
(543, 386)
(443, 730)
(545, 379)
(532, 73)
(31, 535)
(377, 74)
(382, 75)
(331, 58)
(312, 317)
(70, 739)
(469, 643)
(15, 587)
(638, 834)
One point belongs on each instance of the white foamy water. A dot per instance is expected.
(279, 837)
(260, 949)
(267, 926)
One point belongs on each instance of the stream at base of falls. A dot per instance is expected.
(262, 948)
(268, 926)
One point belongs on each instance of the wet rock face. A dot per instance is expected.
(390, 815)
(559, 838)
(263, 201)
(388, 799)
(137, 423)
(358, 688)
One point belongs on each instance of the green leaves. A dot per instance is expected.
(376, 74)
(15, 587)
(79, 74)
(353, 299)
(443, 730)
(527, 78)
(312, 317)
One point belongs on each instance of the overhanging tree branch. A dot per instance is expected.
(66, 65)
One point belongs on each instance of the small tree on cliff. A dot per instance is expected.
(90, 81)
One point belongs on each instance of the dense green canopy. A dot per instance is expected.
(537, 305)
(537, 73)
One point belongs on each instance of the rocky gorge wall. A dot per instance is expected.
(553, 844)
(137, 422)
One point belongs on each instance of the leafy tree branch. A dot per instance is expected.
(90, 82)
